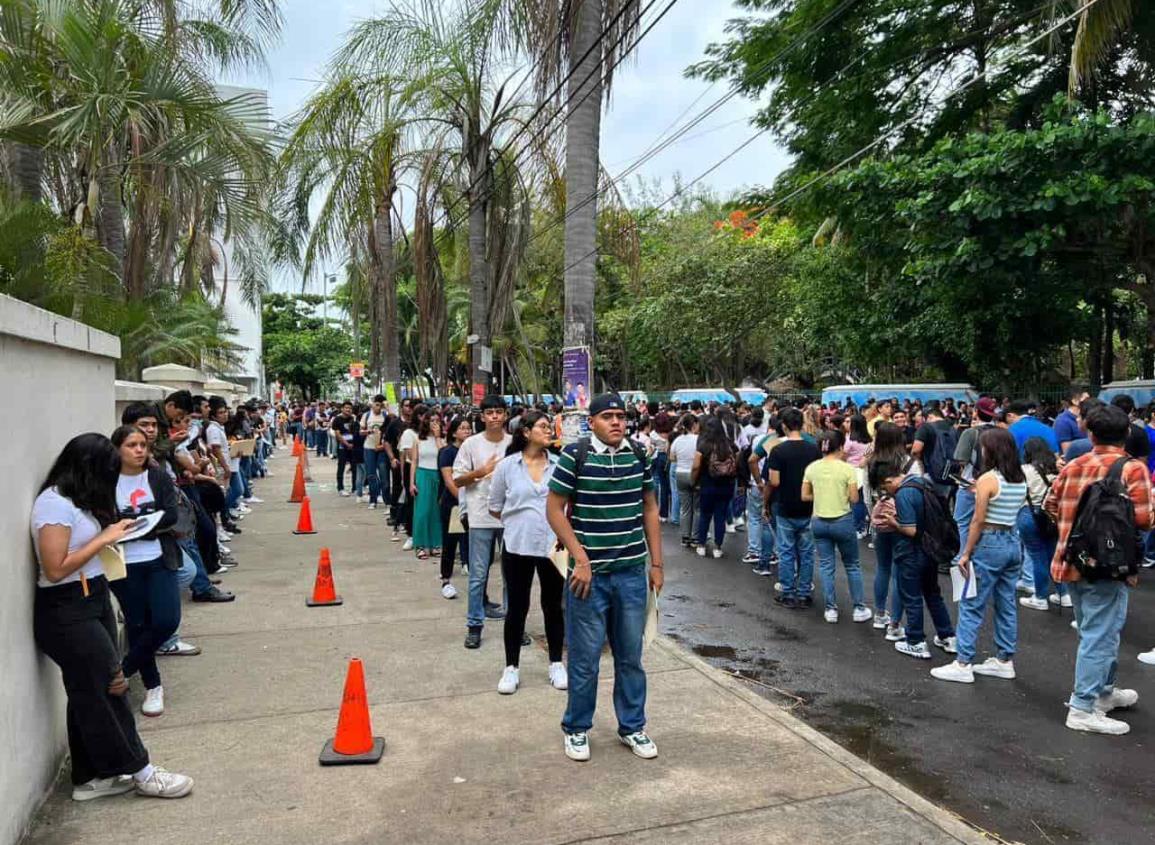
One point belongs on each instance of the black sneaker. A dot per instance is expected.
(786, 601)
(494, 612)
(806, 601)
(232, 528)
(526, 640)
(213, 594)
(473, 638)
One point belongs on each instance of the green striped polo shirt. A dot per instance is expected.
(607, 504)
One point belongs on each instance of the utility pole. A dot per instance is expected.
(325, 299)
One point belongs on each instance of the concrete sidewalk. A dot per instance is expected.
(462, 765)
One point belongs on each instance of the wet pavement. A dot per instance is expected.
(996, 752)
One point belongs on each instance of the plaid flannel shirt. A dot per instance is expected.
(1063, 499)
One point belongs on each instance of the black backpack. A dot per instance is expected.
(938, 533)
(1104, 543)
(940, 461)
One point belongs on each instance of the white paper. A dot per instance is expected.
(964, 586)
(145, 524)
(651, 630)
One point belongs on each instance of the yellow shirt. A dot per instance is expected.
(831, 482)
(871, 424)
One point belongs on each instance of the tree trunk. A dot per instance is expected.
(1095, 351)
(479, 279)
(109, 213)
(1109, 340)
(1148, 356)
(583, 134)
(26, 171)
(385, 308)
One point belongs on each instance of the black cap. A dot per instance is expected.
(606, 402)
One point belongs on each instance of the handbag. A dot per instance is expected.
(456, 526)
(1044, 524)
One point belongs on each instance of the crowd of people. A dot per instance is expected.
(1006, 498)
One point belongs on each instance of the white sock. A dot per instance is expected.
(144, 774)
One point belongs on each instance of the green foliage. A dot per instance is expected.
(300, 350)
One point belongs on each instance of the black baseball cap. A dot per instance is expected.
(606, 402)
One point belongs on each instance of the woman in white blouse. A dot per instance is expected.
(517, 497)
(73, 519)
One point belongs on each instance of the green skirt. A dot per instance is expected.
(426, 513)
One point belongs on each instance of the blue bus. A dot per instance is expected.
(923, 393)
(1142, 391)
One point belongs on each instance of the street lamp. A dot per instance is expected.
(325, 301)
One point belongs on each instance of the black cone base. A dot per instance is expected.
(333, 603)
(329, 757)
(304, 532)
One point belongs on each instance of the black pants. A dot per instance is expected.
(407, 505)
(517, 570)
(79, 635)
(206, 531)
(452, 545)
(212, 499)
(345, 458)
(395, 489)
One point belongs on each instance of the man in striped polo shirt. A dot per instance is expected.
(614, 520)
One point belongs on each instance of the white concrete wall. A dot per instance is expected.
(56, 376)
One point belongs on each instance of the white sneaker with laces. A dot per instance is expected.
(994, 668)
(1095, 722)
(510, 680)
(862, 614)
(372, 506)
(919, 650)
(1117, 699)
(701, 551)
(1148, 657)
(831, 614)
(577, 746)
(947, 644)
(1035, 603)
(223, 536)
(730, 529)
(448, 591)
(717, 553)
(253, 500)
(344, 493)
(640, 744)
(103, 788)
(179, 649)
(408, 545)
(1066, 600)
(153, 704)
(956, 672)
(558, 677)
(881, 620)
(164, 784)
(894, 633)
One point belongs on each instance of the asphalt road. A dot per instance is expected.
(995, 752)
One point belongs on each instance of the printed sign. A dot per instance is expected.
(577, 375)
(357, 369)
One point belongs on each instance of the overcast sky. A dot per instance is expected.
(649, 93)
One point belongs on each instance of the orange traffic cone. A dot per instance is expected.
(297, 446)
(298, 484)
(324, 592)
(305, 519)
(354, 742)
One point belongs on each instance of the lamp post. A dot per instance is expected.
(325, 300)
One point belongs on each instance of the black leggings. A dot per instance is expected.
(451, 544)
(407, 505)
(79, 634)
(517, 571)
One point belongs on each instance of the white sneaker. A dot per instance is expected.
(253, 500)
(717, 553)
(881, 620)
(448, 591)
(179, 649)
(372, 506)
(225, 551)
(1066, 600)
(408, 545)
(558, 677)
(921, 651)
(701, 551)
(954, 672)
(360, 500)
(1025, 588)
(831, 614)
(577, 746)
(862, 535)
(947, 644)
(640, 744)
(894, 633)
(1117, 699)
(103, 788)
(862, 614)
(1035, 603)
(164, 784)
(995, 668)
(223, 536)
(153, 704)
(510, 679)
(1148, 657)
(1095, 722)
(730, 529)
(1075, 624)
(243, 509)
(344, 493)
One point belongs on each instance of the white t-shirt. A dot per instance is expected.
(215, 436)
(405, 442)
(682, 452)
(132, 492)
(427, 450)
(475, 453)
(50, 508)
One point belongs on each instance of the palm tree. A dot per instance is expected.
(1100, 26)
(584, 39)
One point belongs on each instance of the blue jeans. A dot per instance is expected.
(1101, 610)
(481, 543)
(615, 607)
(675, 497)
(831, 534)
(1149, 545)
(322, 439)
(150, 600)
(754, 522)
(235, 491)
(918, 583)
(795, 556)
(964, 512)
(886, 574)
(997, 561)
(377, 472)
(715, 507)
(861, 515)
(660, 468)
(1037, 554)
(310, 437)
(246, 477)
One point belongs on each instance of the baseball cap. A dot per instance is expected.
(986, 408)
(606, 402)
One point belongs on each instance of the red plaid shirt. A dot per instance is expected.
(1063, 499)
